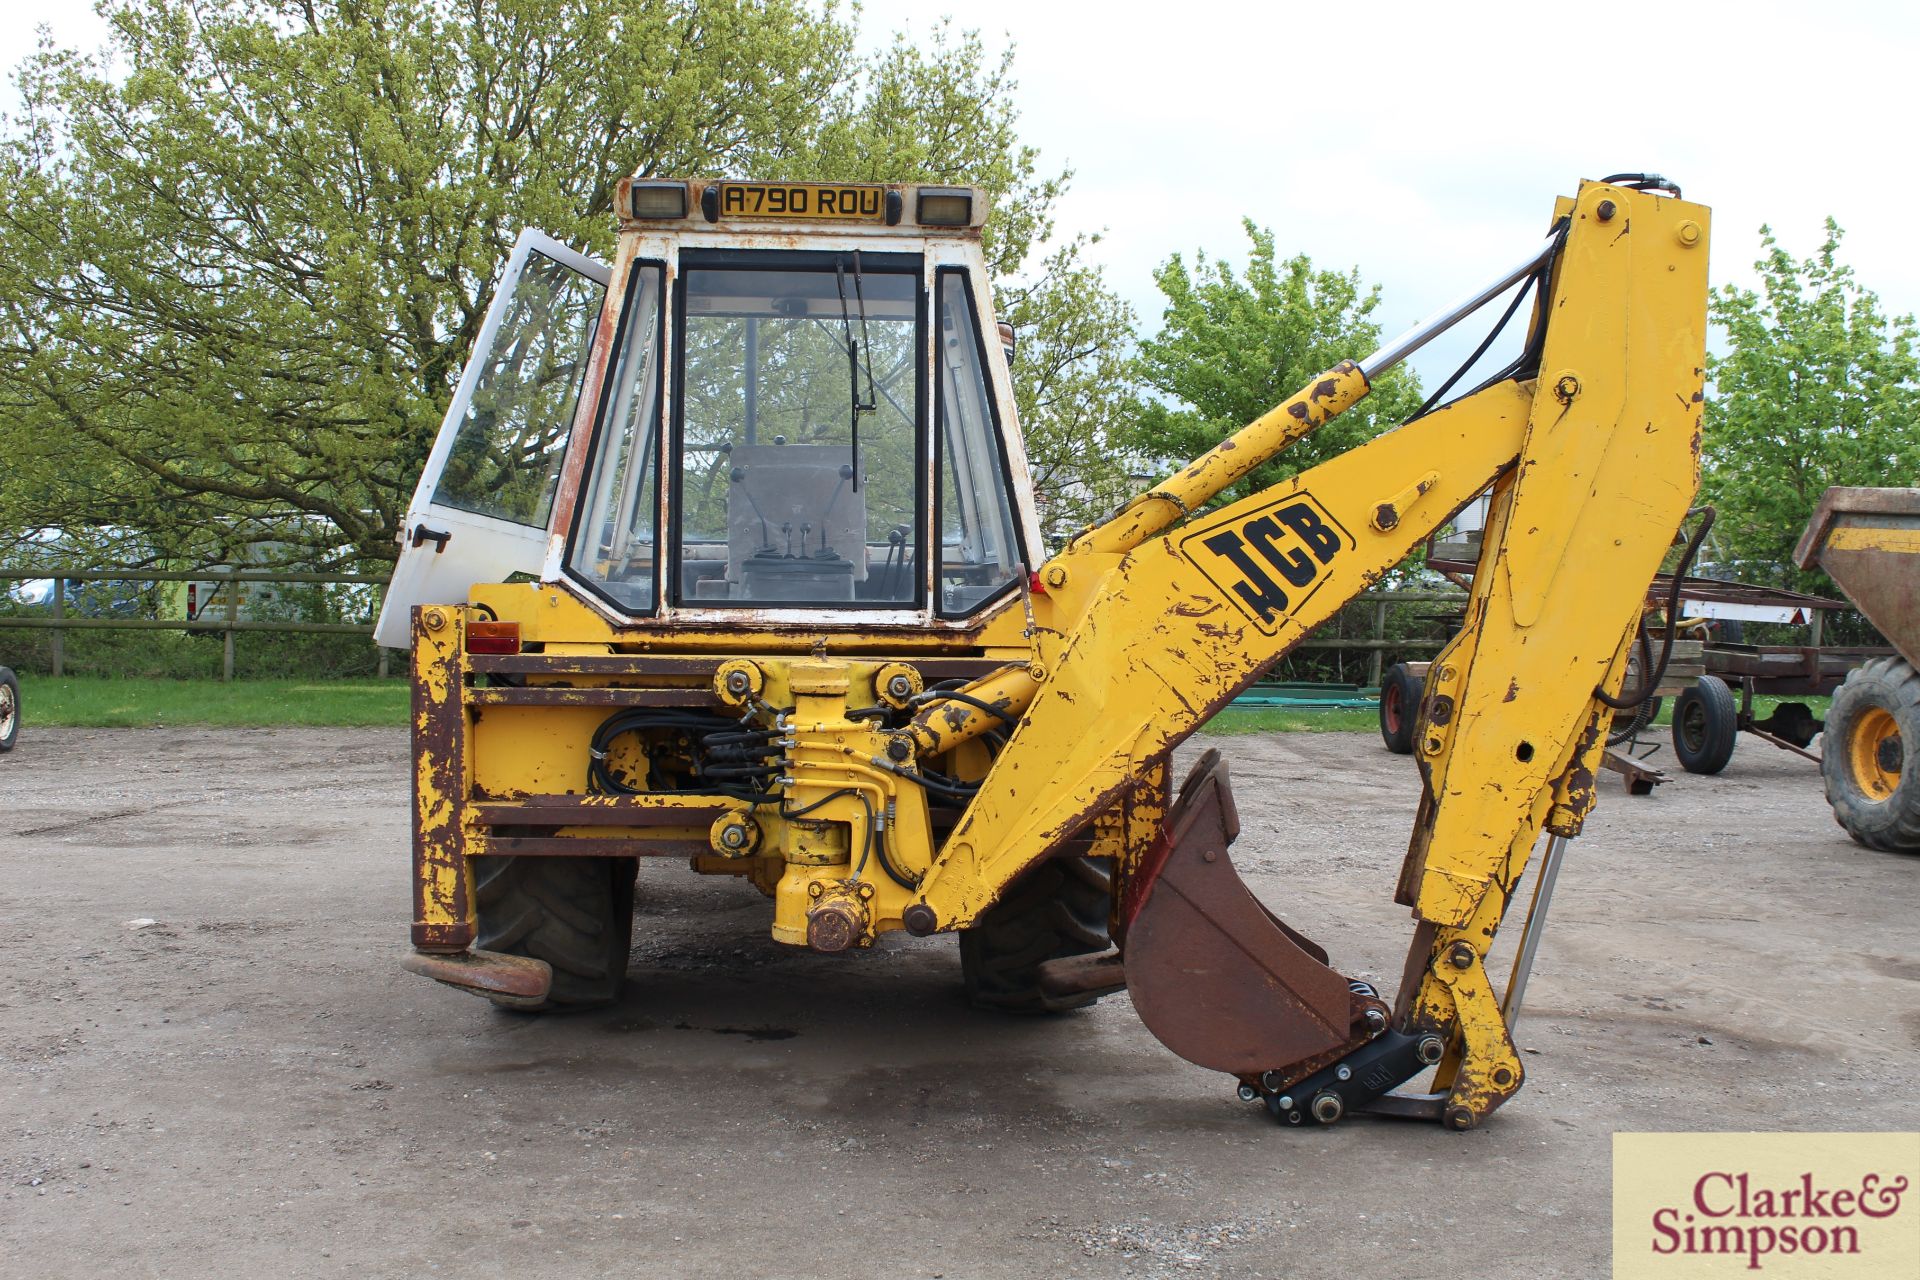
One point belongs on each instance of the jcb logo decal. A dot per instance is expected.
(1271, 562)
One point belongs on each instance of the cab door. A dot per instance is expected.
(483, 508)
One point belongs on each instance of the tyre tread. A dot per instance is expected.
(1059, 909)
(1891, 825)
(1723, 725)
(575, 913)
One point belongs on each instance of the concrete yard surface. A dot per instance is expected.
(211, 1063)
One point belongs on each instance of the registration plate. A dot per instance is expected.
(815, 202)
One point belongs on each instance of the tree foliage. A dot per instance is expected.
(1233, 346)
(1072, 384)
(1818, 387)
(247, 250)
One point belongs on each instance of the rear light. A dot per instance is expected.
(1034, 584)
(493, 637)
(193, 601)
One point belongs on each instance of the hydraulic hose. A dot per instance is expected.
(1652, 673)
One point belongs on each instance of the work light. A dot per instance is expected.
(658, 199)
(944, 207)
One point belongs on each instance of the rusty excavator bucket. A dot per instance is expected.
(1226, 984)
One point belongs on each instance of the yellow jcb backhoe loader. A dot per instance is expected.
(728, 552)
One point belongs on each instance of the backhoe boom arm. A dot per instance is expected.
(1151, 623)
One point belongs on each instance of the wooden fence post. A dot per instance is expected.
(1379, 633)
(233, 609)
(59, 633)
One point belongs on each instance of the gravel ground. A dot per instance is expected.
(211, 1063)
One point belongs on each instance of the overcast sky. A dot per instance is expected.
(1424, 143)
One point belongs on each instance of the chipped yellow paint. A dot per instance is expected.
(1443, 999)
(1203, 479)
(1576, 791)
(1486, 1068)
(1166, 637)
(550, 616)
(1861, 537)
(1140, 648)
(443, 888)
(1605, 478)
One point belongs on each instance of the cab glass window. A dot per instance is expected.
(505, 458)
(797, 460)
(980, 553)
(613, 539)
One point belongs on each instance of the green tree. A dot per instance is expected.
(1233, 346)
(245, 254)
(1072, 382)
(1818, 387)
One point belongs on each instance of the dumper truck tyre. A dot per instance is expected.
(1705, 722)
(1400, 693)
(9, 708)
(1869, 760)
(574, 913)
(1058, 909)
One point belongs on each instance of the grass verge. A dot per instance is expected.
(98, 703)
(1239, 720)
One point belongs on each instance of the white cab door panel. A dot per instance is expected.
(483, 508)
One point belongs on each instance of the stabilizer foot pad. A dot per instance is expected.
(515, 981)
(1099, 974)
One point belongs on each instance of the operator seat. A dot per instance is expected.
(796, 526)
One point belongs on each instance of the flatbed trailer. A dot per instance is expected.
(1714, 680)
(1708, 721)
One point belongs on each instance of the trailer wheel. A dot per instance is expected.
(9, 708)
(574, 913)
(1058, 909)
(1869, 761)
(1399, 707)
(1705, 722)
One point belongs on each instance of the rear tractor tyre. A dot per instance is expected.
(1705, 722)
(9, 709)
(1871, 757)
(574, 913)
(1400, 693)
(1058, 909)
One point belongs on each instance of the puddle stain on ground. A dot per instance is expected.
(751, 1033)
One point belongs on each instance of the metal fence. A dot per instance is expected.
(59, 622)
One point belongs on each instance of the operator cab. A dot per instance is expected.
(783, 403)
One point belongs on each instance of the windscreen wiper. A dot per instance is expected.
(858, 353)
